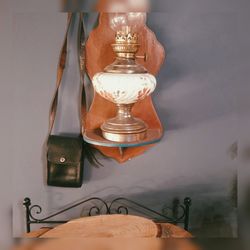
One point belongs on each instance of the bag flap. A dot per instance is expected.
(65, 150)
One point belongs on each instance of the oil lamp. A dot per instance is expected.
(125, 82)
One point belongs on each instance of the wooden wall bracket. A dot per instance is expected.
(99, 54)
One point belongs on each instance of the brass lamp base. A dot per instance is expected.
(124, 127)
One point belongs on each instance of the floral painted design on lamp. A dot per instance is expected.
(124, 88)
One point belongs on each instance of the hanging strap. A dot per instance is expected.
(89, 150)
(82, 67)
(61, 68)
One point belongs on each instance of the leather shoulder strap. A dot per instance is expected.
(61, 68)
(82, 67)
(60, 71)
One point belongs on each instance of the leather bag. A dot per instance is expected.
(65, 161)
(65, 155)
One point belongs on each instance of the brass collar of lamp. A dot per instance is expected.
(125, 82)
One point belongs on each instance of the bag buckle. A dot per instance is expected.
(62, 159)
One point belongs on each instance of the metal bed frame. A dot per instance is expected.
(179, 212)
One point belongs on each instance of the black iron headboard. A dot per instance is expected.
(179, 212)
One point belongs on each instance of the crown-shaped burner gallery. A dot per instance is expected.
(126, 37)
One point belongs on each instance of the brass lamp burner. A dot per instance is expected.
(124, 83)
(126, 46)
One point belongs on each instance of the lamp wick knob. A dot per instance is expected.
(144, 57)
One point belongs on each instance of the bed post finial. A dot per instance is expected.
(187, 203)
(27, 204)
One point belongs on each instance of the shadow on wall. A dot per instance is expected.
(211, 216)
(247, 203)
(219, 244)
(214, 222)
(246, 198)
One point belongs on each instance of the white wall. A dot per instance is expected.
(202, 99)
